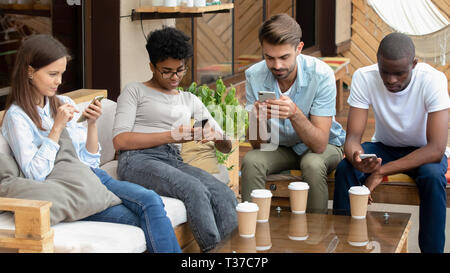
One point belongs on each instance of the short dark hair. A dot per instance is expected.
(396, 46)
(168, 42)
(280, 29)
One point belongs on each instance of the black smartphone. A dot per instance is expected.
(199, 123)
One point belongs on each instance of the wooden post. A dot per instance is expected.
(32, 226)
(233, 161)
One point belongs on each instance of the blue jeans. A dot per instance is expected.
(430, 180)
(210, 203)
(142, 208)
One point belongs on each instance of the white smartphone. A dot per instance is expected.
(82, 117)
(364, 156)
(266, 95)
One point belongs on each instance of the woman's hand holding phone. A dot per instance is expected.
(93, 111)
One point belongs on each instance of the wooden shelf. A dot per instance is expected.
(178, 12)
(23, 9)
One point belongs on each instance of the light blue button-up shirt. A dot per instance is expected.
(314, 92)
(34, 151)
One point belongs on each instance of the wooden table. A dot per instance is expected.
(339, 66)
(380, 232)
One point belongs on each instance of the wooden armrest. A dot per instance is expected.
(13, 204)
(32, 225)
(82, 95)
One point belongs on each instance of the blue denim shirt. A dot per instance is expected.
(34, 152)
(314, 92)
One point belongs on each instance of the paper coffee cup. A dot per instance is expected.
(247, 213)
(359, 198)
(298, 227)
(262, 198)
(263, 239)
(243, 244)
(357, 235)
(157, 3)
(170, 3)
(298, 196)
(199, 3)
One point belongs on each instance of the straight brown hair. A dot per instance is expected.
(280, 29)
(37, 51)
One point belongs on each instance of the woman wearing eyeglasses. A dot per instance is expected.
(153, 120)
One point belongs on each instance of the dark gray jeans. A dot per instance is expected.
(210, 204)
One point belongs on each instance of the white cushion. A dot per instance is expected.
(104, 126)
(223, 174)
(176, 211)
(90, 237)
(4, 146)
(98, 237)
(111, 168)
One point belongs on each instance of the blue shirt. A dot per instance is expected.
(314, 92)
(33, 150)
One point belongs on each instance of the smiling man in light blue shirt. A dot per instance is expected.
(301, 118)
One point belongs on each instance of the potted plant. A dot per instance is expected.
(224, 107)
(229, 114)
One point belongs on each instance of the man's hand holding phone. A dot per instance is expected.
(366, 163)
(266, 95)
(283, 108)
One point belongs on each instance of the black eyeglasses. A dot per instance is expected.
(168, 75)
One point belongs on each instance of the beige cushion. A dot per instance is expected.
(72, 187)
(199, 155)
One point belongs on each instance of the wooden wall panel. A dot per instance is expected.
(214, 39)
(249, 18)
(280, 6)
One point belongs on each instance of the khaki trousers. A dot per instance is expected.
(257, 165)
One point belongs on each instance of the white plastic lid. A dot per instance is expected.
(261, 193)
(359, 190)
(358, 243)
(298, 186)
(247, 207)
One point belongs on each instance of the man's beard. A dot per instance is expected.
(285, 75)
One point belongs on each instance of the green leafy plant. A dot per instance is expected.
(225, 109)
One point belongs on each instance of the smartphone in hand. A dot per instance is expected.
(83, 117)
(364, 156)
(266, 95)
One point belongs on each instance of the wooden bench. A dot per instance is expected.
(26, 239)
(398, 189)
